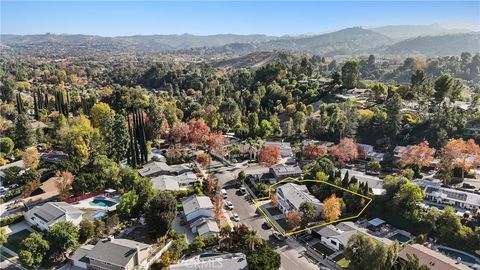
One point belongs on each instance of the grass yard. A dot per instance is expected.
(14, 241)
(274, 211)
(323, 249)
(344, 263)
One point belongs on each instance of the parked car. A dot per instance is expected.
(224, 193)
(243, 190)
(229, 205)
(279, 236)
(235, 217)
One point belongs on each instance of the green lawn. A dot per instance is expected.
(274, 211)
(343, 263)
(323, 249)
(14, 241)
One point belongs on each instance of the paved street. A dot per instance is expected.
(291, 251)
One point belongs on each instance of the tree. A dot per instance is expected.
(128, 203)
(458, 153)
(118, 144)
(3, 236)
(7, 89)
(199, 131)
(364, 252)
(31, 158)
(218, 204)
(345, 151)
(269, 155)
(160, 213)
(64, 184)
(6, 145)
(197, 244)
(374, 166)
(309, 211)
(420, 155)
(393, 107)
(204, 159)
(33, 250)
(313, 151)
(408, 197)
(443, 87)
(274, 199)
(252, 240)
(29, 188)
(86, 230)
(23, 133)
(62, 236)
(215, 143)
(351, 74)
(448, 223)
(102, 117)
(294, 219)
(212, 185)
(264, 258)
(331, 208)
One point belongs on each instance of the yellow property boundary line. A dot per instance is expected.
(312, 227)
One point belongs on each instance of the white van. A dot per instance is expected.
(224, 193)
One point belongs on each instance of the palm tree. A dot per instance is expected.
(226, 237)
(252, 239)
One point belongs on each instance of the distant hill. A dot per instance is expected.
(401, 32)
(437, 45)
(251, 60)
(348, 41)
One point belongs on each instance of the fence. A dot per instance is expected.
(83, 196)
(147, 263)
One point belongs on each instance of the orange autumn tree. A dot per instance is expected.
(64, 184)
(294, 219)
(345, 151)
(458, 153)
(204, 159)
(218, 204)
(216, 142)
(420, 155)
(180, 133)
(313, 151)
(274, 199)
(269, 155)
(199, 131)
(331, 208)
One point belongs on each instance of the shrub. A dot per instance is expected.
(11, 219)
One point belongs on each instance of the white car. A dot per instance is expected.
(235, 217)
(230, 205)
(243, 190)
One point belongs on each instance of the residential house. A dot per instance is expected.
(50, 213)
(285, 148)
(430, 258)
(448, 196)
(174, 182)
(282, 171)
(228, 261)
(54, 157)
(337, 237)
(155, 168)
(48, 191)
(373, 182)
(18, 164)
(199, 213)
(398, 151)
(112, 253)
(291, 196)
(368, 152)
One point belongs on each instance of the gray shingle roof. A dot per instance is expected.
(230, 261)
(297, 194)
(51, 211)
(195, 202)
(115, 251)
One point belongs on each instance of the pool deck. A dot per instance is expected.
(85, 204)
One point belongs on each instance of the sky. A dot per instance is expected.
(122, 18)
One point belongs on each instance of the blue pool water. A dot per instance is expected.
(455, 254)
(400, 238)
(99, 215)
(102, 203)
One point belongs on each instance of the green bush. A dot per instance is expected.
(11, 219)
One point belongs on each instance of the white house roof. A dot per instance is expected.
(165, 182)
(52, 211)
(282, 169)
(297, 194)
(436, 189)
(195, 202)
(209, 226)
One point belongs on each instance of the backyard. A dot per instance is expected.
(14, 241)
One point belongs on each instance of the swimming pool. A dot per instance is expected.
(102, 203)
(400, 238)
(456, 254)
